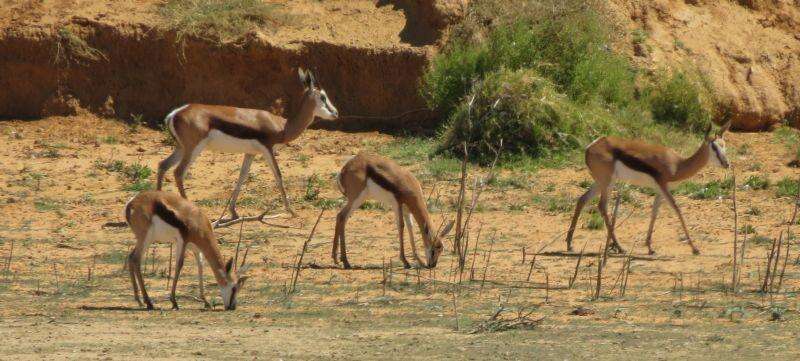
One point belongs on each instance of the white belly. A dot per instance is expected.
(630, 176)
(378, 193)
(162, 231)
(221, 142)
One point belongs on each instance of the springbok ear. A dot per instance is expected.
(242, 279)
(229, 266)
(446, 229)
(724, 129)
(303, 76)
(312, 81)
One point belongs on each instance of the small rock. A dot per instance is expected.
(582, 311)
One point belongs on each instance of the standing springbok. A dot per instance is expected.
(240, 130)
(162, 216)
(370, 176)
(610, 159)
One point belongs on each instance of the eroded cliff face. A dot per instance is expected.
(368, 55)
(749, 50)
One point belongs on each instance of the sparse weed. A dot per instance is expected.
(787, 187)
(218, 20)
(313, 184)
(594, 221)
(71, 48)
(757, 182)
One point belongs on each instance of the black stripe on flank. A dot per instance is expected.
(167, 215)
(234, 130)
(382, 181)
(636, 164)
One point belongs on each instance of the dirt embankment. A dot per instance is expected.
(749, 50)
(370, 66)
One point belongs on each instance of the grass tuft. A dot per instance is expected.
(218, 20)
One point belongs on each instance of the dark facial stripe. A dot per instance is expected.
(170, 217)
(234, 130)
(635, 163)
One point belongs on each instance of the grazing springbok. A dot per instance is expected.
(239, 130)
(610, 159)
(162, 216)
(370, 176)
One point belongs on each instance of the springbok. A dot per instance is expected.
(239, 130)
(610, 159)
(370, 176)
(162, 216)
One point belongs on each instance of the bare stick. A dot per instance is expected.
(600, 261)
(796, 205)
(303, 251)
(10, 255)
(260, 218)
(523, 255)
(238, 243)
(466, 251)
(488, 259)
(460, 204)
(735, 273)
(547, 286)
(474, 256)
(783, 268)
(577, 265)
(383, 271)
(742, 258)
(769, 265)
(455, 308)
(775, 262)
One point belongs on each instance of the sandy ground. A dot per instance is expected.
(56, 197)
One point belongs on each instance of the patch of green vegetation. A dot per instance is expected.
(218, 20)
(594, 221)
(138, 186)
(48, 205)
(408, 150)
(313, 184)
(760, 240)
(372, 205)
(135, 123)
(325, 203)
(787, 187)
(109, 139)
(72, 48)
(679, 100)
(757, 182)
(754, 211)
(639, 36)
(441, 168)
(135, 174)
(790, 139)
(543, 79)
(711, 190)
(747, 229)
(517, 181)
(561, 203)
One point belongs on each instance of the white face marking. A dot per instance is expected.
(720, 145)
(221, 142)
(225, 293)
(628, 175)
(325, 108)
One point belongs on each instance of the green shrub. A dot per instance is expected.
(757, 182)
(451, 75)
(787, 187)
(678, 100)
(519, 107)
